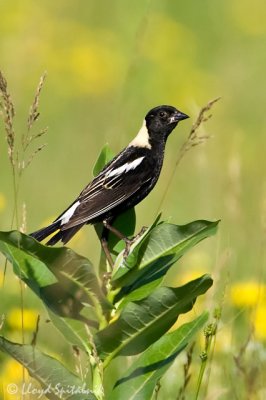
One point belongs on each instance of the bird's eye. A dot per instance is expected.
(163, 114)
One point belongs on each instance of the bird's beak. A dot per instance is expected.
(178, 116)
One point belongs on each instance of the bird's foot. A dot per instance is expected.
(131, 241)
(138, 235)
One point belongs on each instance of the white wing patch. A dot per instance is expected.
(142, 138)
(68, 214)
(125, 168)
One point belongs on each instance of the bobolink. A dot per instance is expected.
(123, 182)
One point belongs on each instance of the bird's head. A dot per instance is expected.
(161, 120)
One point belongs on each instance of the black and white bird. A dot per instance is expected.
(123, 182)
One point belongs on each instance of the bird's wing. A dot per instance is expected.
(120, 180)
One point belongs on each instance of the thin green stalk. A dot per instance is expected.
(15, 210)
(96, 369)
(22, 328)
(97, 380)
(15, 191)
(209, 332)
(7, 113)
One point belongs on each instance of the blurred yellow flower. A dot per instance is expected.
(94, 67)
(250, 19)
(14, 319)
(2, 202)
(260, 321)
(247, 294)
(12, 374)
(13, 371)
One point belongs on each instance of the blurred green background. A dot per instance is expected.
(108, 63)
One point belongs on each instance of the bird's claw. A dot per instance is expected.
(131, 241)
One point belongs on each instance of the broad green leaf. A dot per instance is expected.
(104, 157)
(143, 322)
(139, 381)
(137, 294)
(74, 331)
(155, 254)
(64, 280)
(53, 376)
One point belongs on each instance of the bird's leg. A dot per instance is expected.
(107, 252)
(138, 235)
(104, 243)
(121, 236)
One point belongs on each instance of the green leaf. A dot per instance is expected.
(53, 376)
(104, 157)
(64, 280)
(155, 254)
(139, 381)
(136, 294)
(143, 322)
(72, 330)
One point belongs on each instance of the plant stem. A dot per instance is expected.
(15, 190)
(97, 380)
(96, 369)
(209, 332)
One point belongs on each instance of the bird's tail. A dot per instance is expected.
(63, 235)
(44, 232)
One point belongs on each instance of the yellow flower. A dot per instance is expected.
(260, 321)
(2, 202)
(247, 294)
(94, 67)
(13, 371)
(11, 378)
(14, 319)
